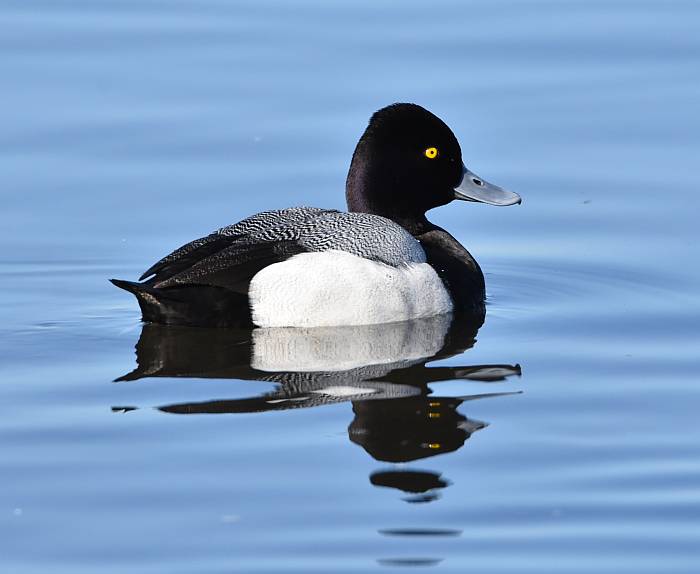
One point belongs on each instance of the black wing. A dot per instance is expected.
(239, 234)
(187, 255)
(232, 266)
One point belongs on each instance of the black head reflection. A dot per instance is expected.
(410, 428)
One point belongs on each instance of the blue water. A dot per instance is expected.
(129, 128)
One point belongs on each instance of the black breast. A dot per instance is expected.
(456, 267)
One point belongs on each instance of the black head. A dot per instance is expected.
(407, 162)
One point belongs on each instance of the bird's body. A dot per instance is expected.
(380, 262)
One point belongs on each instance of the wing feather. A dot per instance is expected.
(235, 266)
(273, 223)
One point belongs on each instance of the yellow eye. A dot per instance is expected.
(431, 152)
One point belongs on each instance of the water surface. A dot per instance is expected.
(559, 436)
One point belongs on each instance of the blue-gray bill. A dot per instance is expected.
(473, 188)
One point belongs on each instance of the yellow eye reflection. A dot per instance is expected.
(431, 152)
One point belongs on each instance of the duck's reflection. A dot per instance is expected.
(382, 369)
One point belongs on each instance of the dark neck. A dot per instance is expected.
(368, 191)
(416, 225)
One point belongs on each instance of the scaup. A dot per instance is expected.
(382, 261)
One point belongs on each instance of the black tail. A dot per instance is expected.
(196, 305)
(132, 286)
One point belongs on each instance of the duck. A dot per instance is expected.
(381, 261)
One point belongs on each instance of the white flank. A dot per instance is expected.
(337, 288)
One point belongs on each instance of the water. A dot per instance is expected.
(560, 437)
